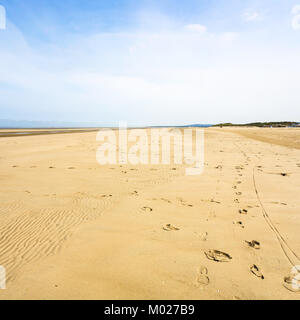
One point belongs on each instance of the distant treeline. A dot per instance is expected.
(260, 124)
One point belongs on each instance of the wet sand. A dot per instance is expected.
(72, 229)
(32, 132)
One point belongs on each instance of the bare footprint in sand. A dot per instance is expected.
(169, 227)
(202, 278)
(255, 270)
(218, 256)
(253, 244)
(147, 209)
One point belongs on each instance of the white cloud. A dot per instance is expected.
(251, 16)
(149, 77)
(196, 28)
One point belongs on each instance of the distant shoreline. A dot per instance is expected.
(281, 124)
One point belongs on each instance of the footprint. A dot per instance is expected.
(71, 168)
(169, 227)
(203, 236)
(147, 209)
(218, 256)
(253, 244)
(239, 168)
(243, 211)
(106, 196)
(202, 278)
(239, 223)
(255, 270)
(51, 167)
(183, 203)
(236, 201)
(166, 200)
(238, 193)
(291, 283)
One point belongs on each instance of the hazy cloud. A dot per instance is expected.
(173, 75)
(252, 15)
(196, 28)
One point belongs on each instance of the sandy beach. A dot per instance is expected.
(73, 229)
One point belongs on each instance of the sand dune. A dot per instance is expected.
(72, 229)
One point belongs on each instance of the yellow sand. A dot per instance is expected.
(72, 229)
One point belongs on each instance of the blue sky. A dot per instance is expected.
(150, 62)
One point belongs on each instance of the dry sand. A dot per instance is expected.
(72, 229)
